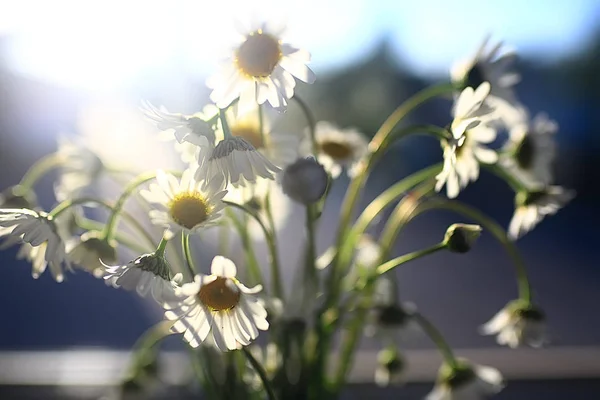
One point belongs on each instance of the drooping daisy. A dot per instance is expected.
(189, 131)
(488, 65)
(533, 206)
(38, 231)
(220, 304)
(149, 273)
(91, 250)
(16, 197)
(260, 68)
(530, 151)
(237, 162)
(338, 148)
(188, 204)
(519, 323)
(465, 149)
(466, 382)
(80, 168)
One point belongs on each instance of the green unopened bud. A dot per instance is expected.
(390, 366)
(93, 250)
(460, 238)
(17, 197)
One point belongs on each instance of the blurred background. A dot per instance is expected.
(83, 68)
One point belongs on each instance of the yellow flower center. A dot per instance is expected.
(189, 209)
(250, 133)
(219, 295)
(336, 150)
(258, 55)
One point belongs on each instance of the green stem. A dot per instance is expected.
(65, 205)
(395, 262)
(261, 372)
(253, 267)
(500, 234)
(160, 250)
(435, 335)
(311, 252)
(312, 123)
(185, 245)
(128, 242)
(113, 219)
(277, 286)
(226, 131)
(39, 169)
(503, 174)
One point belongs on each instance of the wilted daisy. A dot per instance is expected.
(237, 162)
(260, 68)
(91, 250)
(530, 150)
(519, 323)
(220, 304)
(465, 149)
(80, 168)
(16, 197)
(338, 148)
(149, 273)
(488, 65)
(533, 206)
(187, 204)
(466, 382)
(44, 245)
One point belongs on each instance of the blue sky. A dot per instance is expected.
(103, 44)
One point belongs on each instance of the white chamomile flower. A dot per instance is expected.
(16, 197)
(465, 149)
(147, 274)
(466, 381)
(43, 246)
(189, 131)
(220, 304)
(338, 148)
(237, 162)
(91, 250)
(489, 65)
(530, 151)
(519, 323)
(390, 367)
(260, 68)
(533, 206)
(187, 204)
(80, 168)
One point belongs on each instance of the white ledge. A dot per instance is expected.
(97, 367)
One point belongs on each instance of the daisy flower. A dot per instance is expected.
(533, 206)
(338, 148)
(149, 273)
(517, 324)
(220, 304)
(15, 197)
(44, 245)
(466, 382)
(466, 148)
(488, 65)
(189, 131)
(188, 204)
(237, 162)
(260, 68)
(530, 151)
(80, 168)
(90, 251)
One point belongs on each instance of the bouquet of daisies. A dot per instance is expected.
(247, 338)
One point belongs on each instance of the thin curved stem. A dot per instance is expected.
(501, 173)
(39, 169)
(261, 372)
(312, 123)
(436, 336)
(128, 242)
(500, 234)
(395, 262)
(277, 286)
(185, 245)
(242, 229)
(65, 205)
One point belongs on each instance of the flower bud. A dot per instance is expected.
(460, 238)
(305, 181)
(16, 197)
(390, 365)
